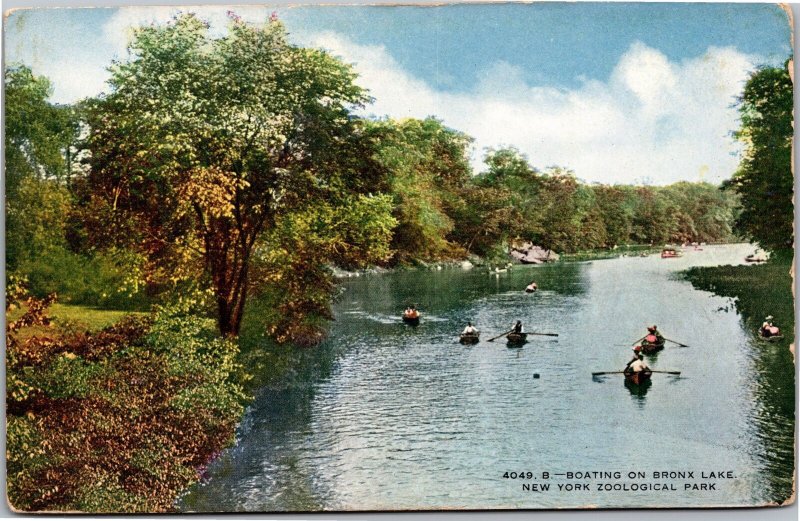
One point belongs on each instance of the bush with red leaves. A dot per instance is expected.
(121, 420)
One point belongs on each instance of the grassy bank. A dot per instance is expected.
(113, 411)
(72, 318)
(759, 290)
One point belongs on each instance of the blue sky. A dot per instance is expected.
(618, 92)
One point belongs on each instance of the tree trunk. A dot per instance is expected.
(227, 261)
(231, 298)
(228, 247)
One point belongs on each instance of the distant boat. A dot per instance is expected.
(753, 257)
(411, 320)
(771, 337)
(516, 339)
(469, 338)
(638, 378)
(669, 253)
(649, 349)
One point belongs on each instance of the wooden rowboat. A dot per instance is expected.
(669, 253)
(411, 321)
(771, 338)
(516, 339)
(638, 378)
(469, 338)
(649, 349)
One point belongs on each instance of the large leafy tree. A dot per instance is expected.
(204, 145)
(764, 179)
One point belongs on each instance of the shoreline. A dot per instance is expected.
(475, 262)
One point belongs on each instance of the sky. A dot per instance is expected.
(619, 93)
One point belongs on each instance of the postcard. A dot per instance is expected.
(399, 257)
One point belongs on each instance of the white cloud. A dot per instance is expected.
(653, 120)
(118, 29)
(73, 81)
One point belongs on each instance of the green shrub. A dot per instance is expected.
(109, 280)
(121, 420)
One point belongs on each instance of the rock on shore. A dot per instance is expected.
(528, 253)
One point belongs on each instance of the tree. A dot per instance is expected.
(519, 186)
(37, 136)
(205, 144)
(616, 207)
(37, 132)
(764, 179)
(426, 165)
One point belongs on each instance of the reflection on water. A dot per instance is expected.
(385, 416)
(638, 391)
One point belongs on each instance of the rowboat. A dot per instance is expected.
(638, 378)
(411, 321)
(469, 338)
(516, 339)
(770, 338)
(649, 349)
(669, 253)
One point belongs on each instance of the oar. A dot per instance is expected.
(623, 372)
(501, 334)
(544, 334)
(639, 340)
(674, 342)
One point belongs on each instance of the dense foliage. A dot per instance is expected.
(40, 165)
(764, 180)
(425, 168)
(205, 145)
(120, 420)
(233, 164)
(514, 201)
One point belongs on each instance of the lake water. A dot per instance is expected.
(387, 416)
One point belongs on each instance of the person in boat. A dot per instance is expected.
(636, 352)
(654, 336)
(518, 329)
(532, 287)
(769, 329)
(470, 329)
(411, 312)
(638, 365)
